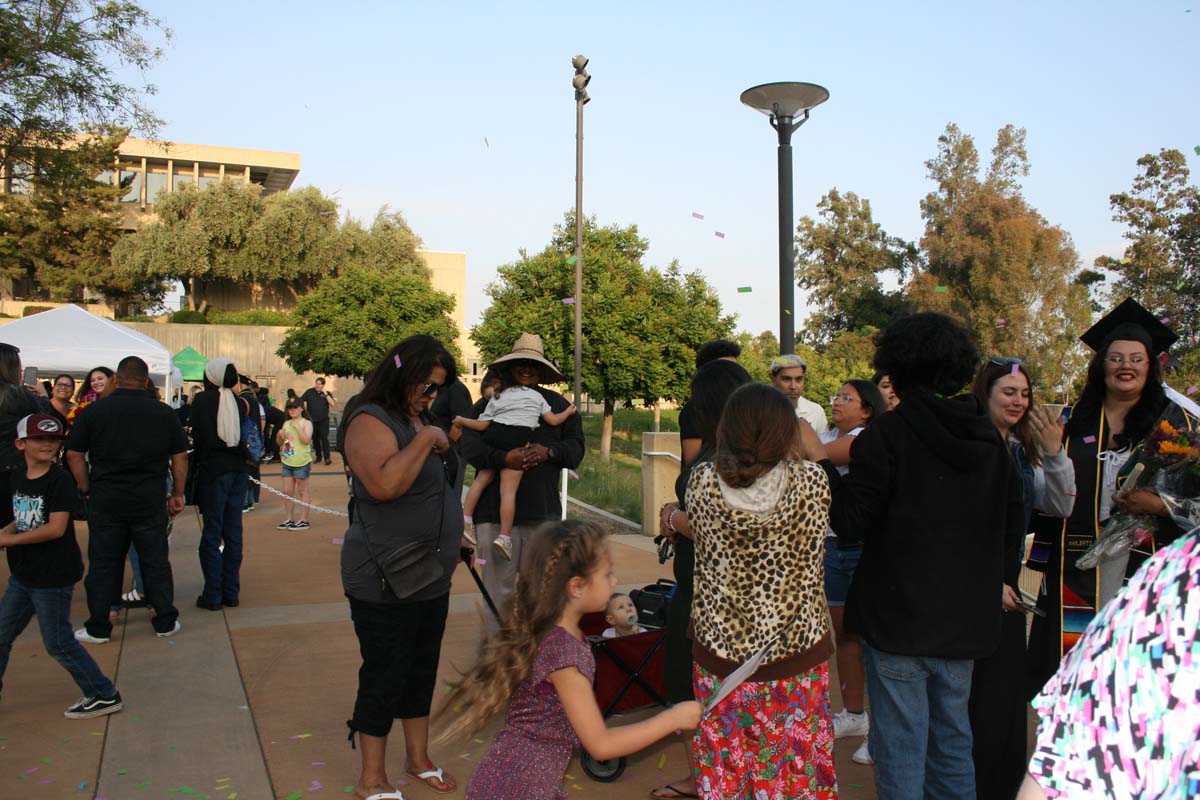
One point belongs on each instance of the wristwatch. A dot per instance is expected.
(551, 453)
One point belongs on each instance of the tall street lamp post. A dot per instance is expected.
(787, 106)
(579, 82)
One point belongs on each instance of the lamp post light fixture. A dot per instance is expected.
(787, 105)
(579, 82)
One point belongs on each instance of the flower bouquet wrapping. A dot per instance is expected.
(1168, 463)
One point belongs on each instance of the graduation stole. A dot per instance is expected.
(1080, 588)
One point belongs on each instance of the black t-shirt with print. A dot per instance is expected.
(58, 562)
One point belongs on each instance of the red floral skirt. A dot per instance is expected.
(766, 741)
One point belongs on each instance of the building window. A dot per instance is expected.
(131, 181)
(184, 179)
(155, 182)
(105, 177)
(207, 181)
(19, 177)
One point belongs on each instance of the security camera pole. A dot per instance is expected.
(580, 82)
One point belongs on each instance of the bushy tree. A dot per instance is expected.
(840, 258)
(640, 326)
(59, 232)
(1160, 267)
(351, 319)
(995, 262)
(230, 231)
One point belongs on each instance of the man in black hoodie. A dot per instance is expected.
(933, 495)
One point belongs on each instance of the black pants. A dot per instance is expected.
(677, 658)
(400, 647)
(320, 440)
(108, 543)
(997, 711)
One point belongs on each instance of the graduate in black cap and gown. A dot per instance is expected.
(1121, 402)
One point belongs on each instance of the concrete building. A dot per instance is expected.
(149, 168)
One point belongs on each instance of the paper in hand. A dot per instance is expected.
(738, 677)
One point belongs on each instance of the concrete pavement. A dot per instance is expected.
(251, 703)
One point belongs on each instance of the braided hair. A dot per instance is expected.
(554, 554)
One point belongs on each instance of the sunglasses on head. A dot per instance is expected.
(1004, 361)
(430, 389)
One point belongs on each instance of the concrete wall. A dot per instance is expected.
(251, 347)
(660, 469)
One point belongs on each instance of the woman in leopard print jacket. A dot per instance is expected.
(759, 514)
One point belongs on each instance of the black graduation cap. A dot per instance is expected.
(1132, 322)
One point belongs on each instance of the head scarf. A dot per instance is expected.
(221, 373)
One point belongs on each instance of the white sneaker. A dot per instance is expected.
(847, 723)
(863, 754)
(83, 636)
(171, 632)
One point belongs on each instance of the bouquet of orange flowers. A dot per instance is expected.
(1167, 463)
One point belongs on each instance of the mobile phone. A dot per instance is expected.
(30, 376)
(1031, 608)
(1061, 411)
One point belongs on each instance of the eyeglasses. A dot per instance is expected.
(842, 398)
(430, 389)
(1005, 361)
(64, 386)
(1120, 361)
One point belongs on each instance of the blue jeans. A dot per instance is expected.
(108, 543)
(920, 729)
(53, 610)
(221, 500)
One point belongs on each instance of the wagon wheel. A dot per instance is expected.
(604, 771)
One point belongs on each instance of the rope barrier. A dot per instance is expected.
(273, 490)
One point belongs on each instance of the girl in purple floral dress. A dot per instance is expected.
(541, 666)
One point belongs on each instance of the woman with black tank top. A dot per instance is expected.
(399, 555)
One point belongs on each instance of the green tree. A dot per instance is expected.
(757, 352)
(229, 231)
(846, 357)
(352, 318)
(1160, 267)
(388, 245)
(995, 262)
(64, 67)
(57, 235)
(640, 326)
(839, 261)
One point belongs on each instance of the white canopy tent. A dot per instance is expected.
(71, 340)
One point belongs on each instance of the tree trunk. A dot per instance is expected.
(606, 428)
(657, 416)
(190, 290)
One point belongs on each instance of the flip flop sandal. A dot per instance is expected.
(669, 792)
(430, 775)
(392, 795)
(132, 597)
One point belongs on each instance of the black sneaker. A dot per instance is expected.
(286, 525)
(88, 707)
(302, 525)
(207, 606)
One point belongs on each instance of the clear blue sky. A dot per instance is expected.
(390, 103)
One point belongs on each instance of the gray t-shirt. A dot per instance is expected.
(428, 511)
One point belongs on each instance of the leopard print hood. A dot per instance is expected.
(755, 574)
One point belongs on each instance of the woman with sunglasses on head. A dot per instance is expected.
(296, 457)
(852, 409)
(399, 555)
(1121, 401)
(997, 702)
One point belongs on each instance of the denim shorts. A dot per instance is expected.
(297, 472)
(840, 562)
